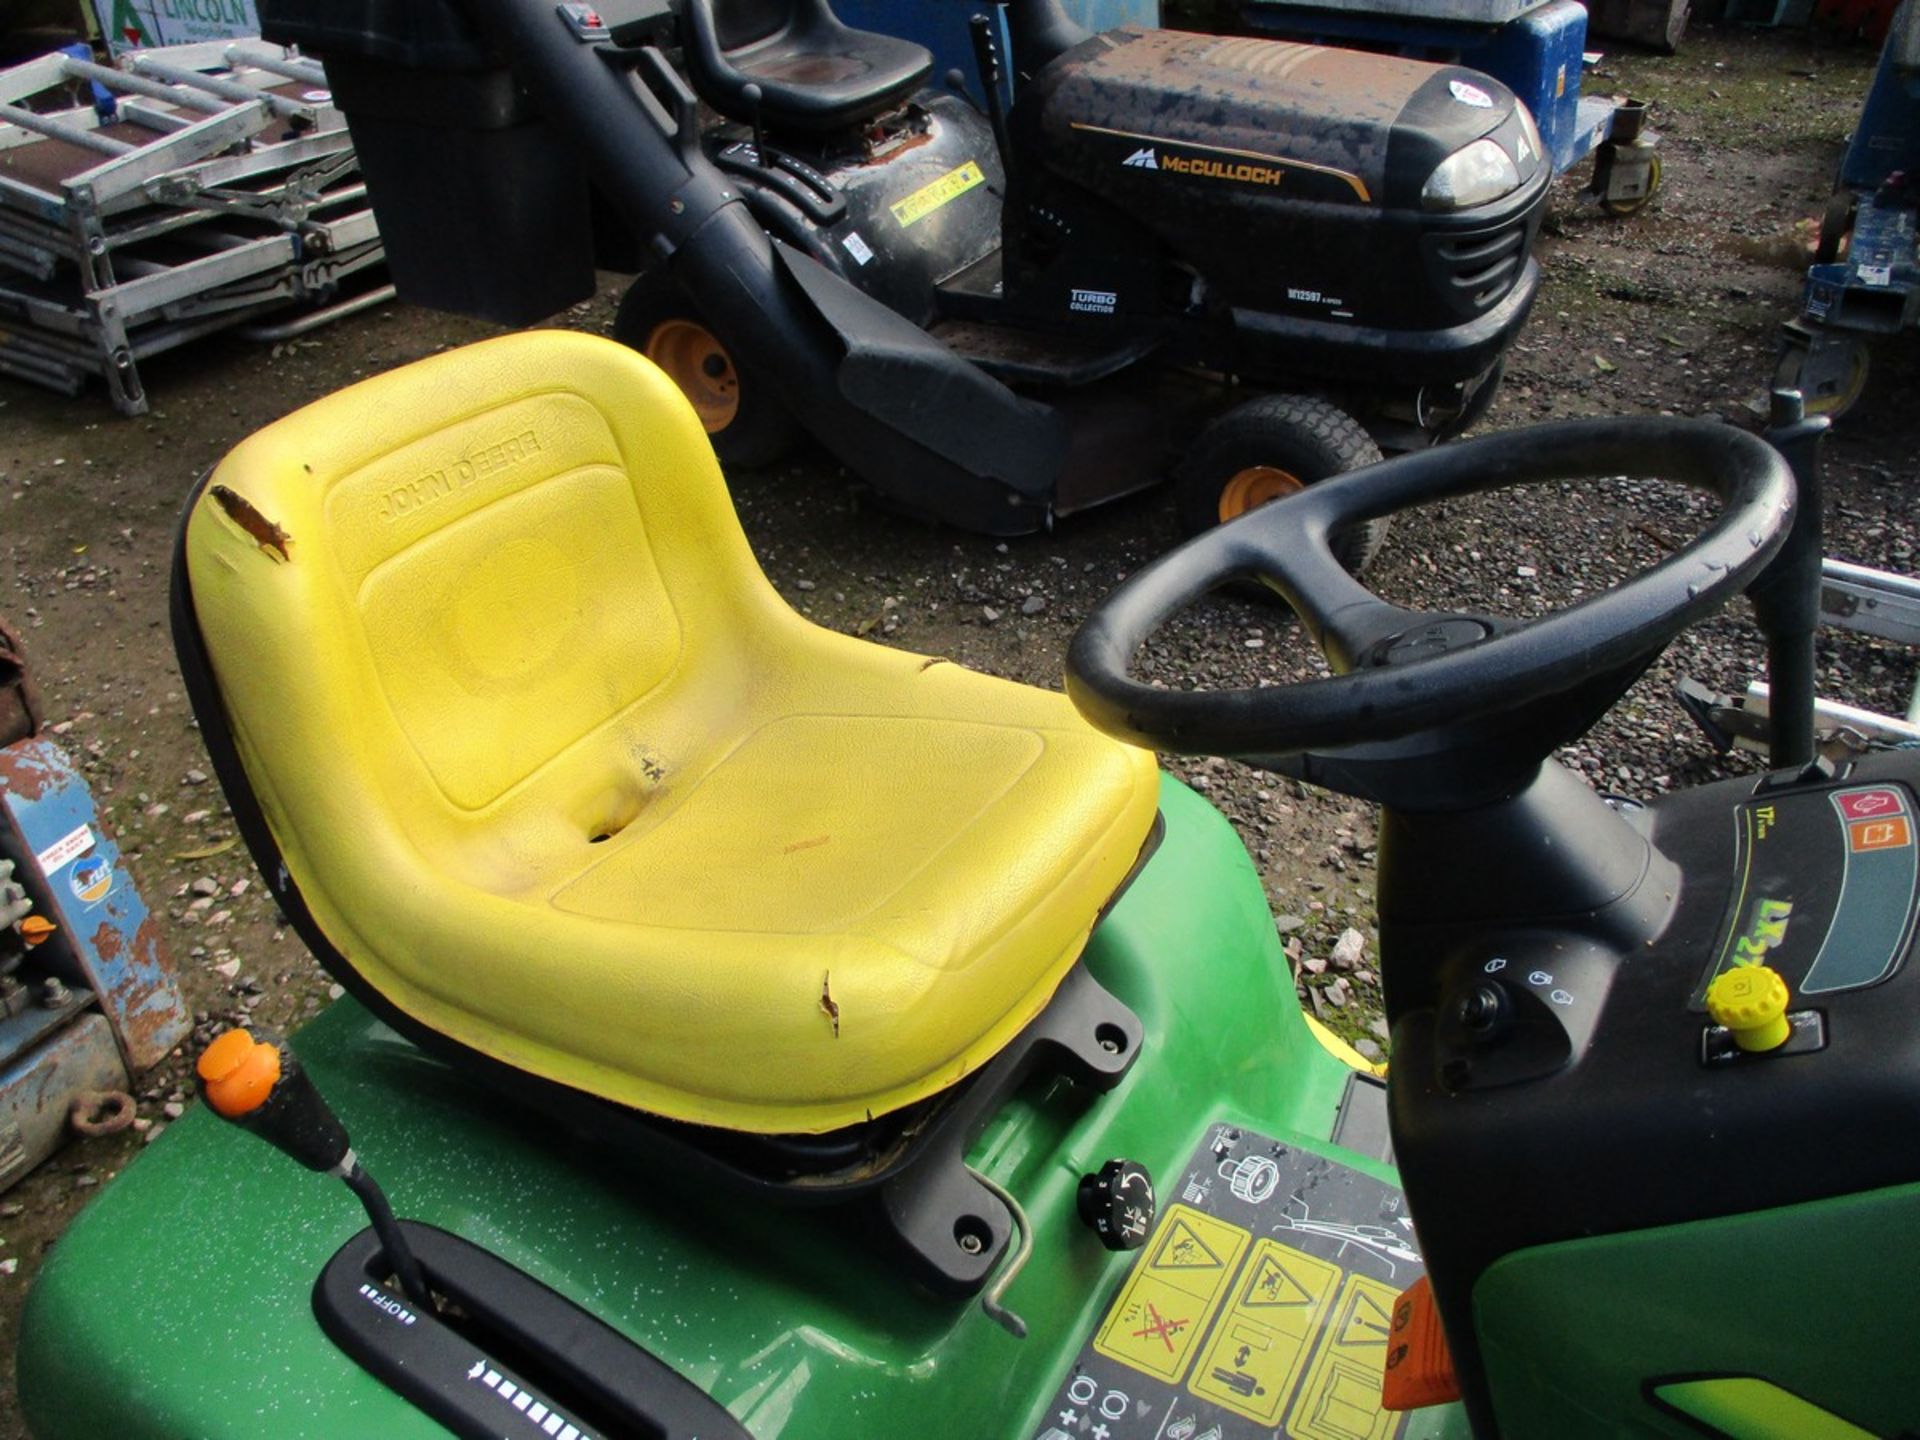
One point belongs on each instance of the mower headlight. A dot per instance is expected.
(1471, 176)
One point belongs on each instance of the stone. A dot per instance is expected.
(1348, 949)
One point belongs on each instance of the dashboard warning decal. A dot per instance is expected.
(1164, 1309)
(1824, 888)
(1341, 1399)
(1874, 912)
(1259, 1308)
(1262, 1342)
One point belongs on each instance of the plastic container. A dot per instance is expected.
(483, 208)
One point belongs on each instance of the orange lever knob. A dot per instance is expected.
(239, 1073)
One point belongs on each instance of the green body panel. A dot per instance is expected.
(1577, 1336)
(178, 1303)
(1749, 1409)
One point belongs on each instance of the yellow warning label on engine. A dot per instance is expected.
(1341, 1397)
(929, 198)
(1164, 1309)
(1266, 1331)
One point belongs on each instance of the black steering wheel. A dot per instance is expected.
(1401, 672)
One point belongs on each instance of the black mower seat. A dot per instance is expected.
(814, 73)
(562, 780)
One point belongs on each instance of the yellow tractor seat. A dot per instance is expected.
(560, 777)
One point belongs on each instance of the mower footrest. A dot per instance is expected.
(1026, 356)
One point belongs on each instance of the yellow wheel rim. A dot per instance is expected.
(699, 364)
(1790, 374)
(1253, 487)
(1620, 209)
(1838, 402)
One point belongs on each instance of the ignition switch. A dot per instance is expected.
(1485, 1013)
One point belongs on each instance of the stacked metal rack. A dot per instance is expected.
(202, 187)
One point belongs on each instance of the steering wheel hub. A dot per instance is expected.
(1488, 698)
(1434, 637)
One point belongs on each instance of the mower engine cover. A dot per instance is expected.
(1374, 191)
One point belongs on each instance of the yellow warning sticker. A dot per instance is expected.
(1341, 1397)
(1165, 1307)
(929, 198)
(1266, 1331)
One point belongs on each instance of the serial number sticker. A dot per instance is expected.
(929, 198)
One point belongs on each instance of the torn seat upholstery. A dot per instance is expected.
(561, 777)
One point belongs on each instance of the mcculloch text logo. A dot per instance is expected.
(1224, 170)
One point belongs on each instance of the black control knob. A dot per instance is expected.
(1117, 1203)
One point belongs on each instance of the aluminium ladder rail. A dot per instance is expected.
(205, 186)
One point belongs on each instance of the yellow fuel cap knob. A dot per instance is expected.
(1751, 1001)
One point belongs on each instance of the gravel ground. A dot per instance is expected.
(1672, 311)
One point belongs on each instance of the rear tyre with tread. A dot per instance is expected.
(747, 423)
(1267, 449)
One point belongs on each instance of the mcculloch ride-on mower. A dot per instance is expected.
(957, 301)
(768, 1033)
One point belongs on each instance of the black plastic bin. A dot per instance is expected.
(482, 205)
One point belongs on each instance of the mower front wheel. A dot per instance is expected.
(1627, 205)
(1270, 448)
(1830, 373)
(747, 423)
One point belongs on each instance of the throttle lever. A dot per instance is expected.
(260, 1085)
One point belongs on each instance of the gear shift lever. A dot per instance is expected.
(261, 1086)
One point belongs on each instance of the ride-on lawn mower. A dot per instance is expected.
(767, 1033)
(959, 303)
